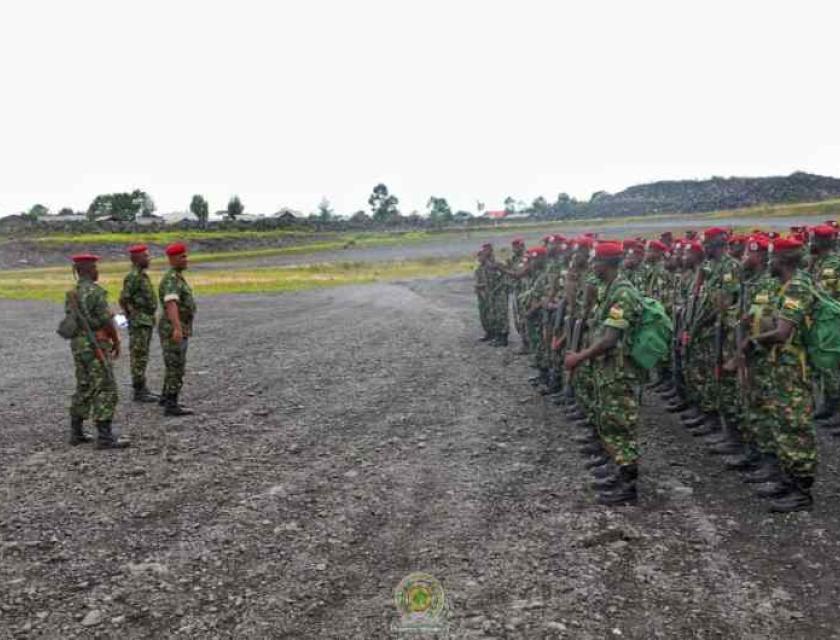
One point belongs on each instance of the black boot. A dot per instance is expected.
(677, 405)
(487, 338)
(604, 471)
(587, 437)
(77, 433)
(607, 482)
(175, 409)
(767, 470)
(106, 439)
(555, 382)
(591, 449)
(596, 461)
(624, 492)
(776, 488)
(747, 460)
(142, 394)
(827, 410)
(501, 340)
(798, 498)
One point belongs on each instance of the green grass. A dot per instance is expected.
(165, 237)
(52, 282)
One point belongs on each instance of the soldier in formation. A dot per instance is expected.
(95, 342)
(751, 358)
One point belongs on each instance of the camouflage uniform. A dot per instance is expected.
(173, 287)
(96, 389)
(516, 262)
(535, 292)
(791, 401)
(825, 271)
(584, 382)
(497, 300)
(482, 294)
(616, 375)
(139, 301)
(714, 390)
(757, 415)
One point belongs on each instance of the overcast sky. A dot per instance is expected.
(284, 103)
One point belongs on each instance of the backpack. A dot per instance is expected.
(69, 325)
(822, 338)
(650, 341)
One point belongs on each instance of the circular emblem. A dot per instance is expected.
(420, 600)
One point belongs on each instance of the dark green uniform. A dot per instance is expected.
(96, 390)
(173, 287)
(139, 301)
(616, 375)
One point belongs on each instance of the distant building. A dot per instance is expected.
(496, 215)
(287, 215)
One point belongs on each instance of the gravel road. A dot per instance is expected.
(347, 437)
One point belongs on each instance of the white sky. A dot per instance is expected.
(286, 102)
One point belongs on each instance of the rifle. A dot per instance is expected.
(719, 337)
(690, 309)
(89, 334)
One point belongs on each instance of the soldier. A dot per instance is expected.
(516, 263)
(633, 265)
(481, 291)
(175, 327)
(790, 403)
(497, 299)
(618, 312)
(717, 288)
(825, 271)
(139, 303)
(737, 246)
(754, 376)
(95, 343)
(657, 284)
(531, 302)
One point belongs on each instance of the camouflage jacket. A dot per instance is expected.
(619, 308)
(825, 270)
(92, 301)
(794, 302)
(174, 288)
(138, 298)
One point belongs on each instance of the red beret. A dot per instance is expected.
(583, 241)
(824, 231)
(786, 244)
(609, 249)
(138, 248)
(557, 239)
(657, 245)
(84, 257)
(517, 242)
(176, 249)
(758, 242)
(832, 223)
(713, 232)
(631, 244)
(738, 239)
(666, 237)
(536, 252)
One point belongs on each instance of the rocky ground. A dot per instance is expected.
(347, 437)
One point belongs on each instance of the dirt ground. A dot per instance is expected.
(347, 437)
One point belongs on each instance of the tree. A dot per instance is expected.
(510, 205)
(439, 210)
(200, 209)
(564, 206)
(66, 211)
(360, 217)
(121, 206)
(37, 211)
(235, 208)
(325, 212)
(540, 207)
(383, 205)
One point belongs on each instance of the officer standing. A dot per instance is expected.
(139, 304)
(93, 345)
(175, 327)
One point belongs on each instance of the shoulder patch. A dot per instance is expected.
(792, 304)
(727, 277)
(762, 298)
(828, 273)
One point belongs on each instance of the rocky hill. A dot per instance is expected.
(691, 196)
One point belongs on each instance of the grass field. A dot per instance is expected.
(52, 282)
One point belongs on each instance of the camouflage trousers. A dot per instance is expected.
(518, 317)
(829, 384)
(96, 390)
(175, 364)
(139, 340)
(618, 414)
(585, 391)
(757, 417)
(484, 314)
(790, 404)
(536, 343)
(498, 311)
(700, 374)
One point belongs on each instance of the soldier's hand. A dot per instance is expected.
(115, 350)
(177, 335)
(571, 361)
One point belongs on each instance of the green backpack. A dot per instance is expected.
(651, 341)
(822, 338)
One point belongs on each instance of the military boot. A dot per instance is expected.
(106, 439)
(604, 471)
(591, 449)
(172, 408)
(775, 488)
(587, 437)
(77, 433)
(501, 340)
(596, 461)
(827, 410)
(690, 411)
(555, 382)
(767, 470)
(747, 460)
(798, 497)
(624, 492)
(142, 394)
(487, 338)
